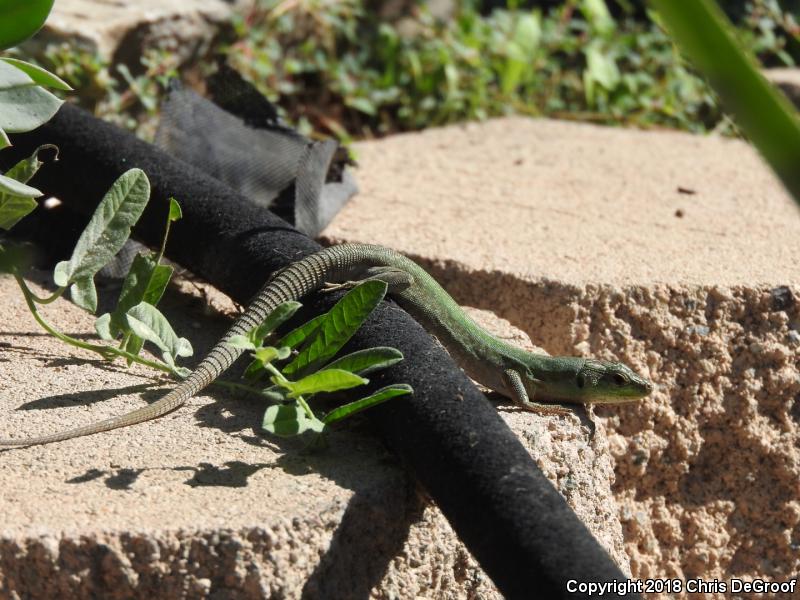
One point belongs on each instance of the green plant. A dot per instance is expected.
(135, 319)
(337, 67)
(25, 104)
(307, 354)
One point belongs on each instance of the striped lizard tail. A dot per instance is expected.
(292, 283)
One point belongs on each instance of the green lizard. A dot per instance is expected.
(511, 371)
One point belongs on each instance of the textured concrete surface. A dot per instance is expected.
(121, 31)
(675, 253)
(197, 504)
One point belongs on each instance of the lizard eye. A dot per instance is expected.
(620, 379)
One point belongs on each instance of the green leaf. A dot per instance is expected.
(364, 105)
(175, 212)
(599, 17)
(341, 322)
(12, 187)
(275, 394)
(268, 354)
(25, 169)
(133, 345)
(329, 380)
(282, 313)
(521, 50)
(36, 74)
(13, 209)
(16, 198)
(240, 341)
(25, 108)
(11, 77)
(146, 281)
(298, 335)
(21, 19)
(102, 327)
(382, 395)
(254, 370)
(289, 419)
(367, 361)
(15, 258)
(602, 68)
(146, 321)
(106, 232)
(84, 294)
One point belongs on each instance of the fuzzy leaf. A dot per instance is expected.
(240, 341)
(289, 419)
(14, 208)
(146, 321)
(13, 187)
(25, 169)
(25, 108)
(382, 395)
(107, 230)
(84, 294)
(11, 77)
(16, 198)
(36, 74)
(329, 380)
(342, 321)
(102, 327)
(145, 282)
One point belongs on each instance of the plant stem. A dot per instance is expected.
(281, 380)
(52, 298)
(107, 352)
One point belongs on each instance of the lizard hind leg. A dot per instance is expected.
(518, 393)
(397, 279)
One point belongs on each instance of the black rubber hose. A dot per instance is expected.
(451, 438)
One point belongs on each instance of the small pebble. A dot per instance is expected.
(700, 330)
(782, 298)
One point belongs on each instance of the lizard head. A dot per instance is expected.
(606, 382)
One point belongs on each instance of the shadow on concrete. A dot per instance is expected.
(363, 546)
(233, 474)
(88, 397)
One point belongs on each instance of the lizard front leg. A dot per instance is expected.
(517, 392)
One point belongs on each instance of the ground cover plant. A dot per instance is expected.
(341, 68)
